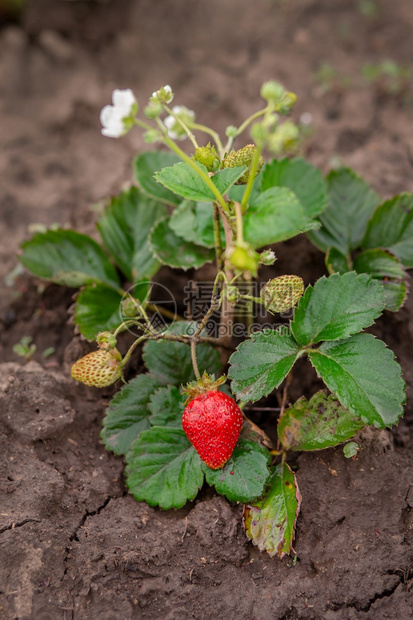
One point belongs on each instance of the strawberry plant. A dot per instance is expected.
(182, 422)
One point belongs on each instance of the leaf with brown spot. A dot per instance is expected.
(319, 423)
(270, 522)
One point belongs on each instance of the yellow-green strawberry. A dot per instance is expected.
(282, 293)
(243, 157)
(207, 156)
(98, 369)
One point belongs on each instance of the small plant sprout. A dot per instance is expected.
(182, 421)
(25, 348)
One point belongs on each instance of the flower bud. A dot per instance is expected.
(259, 133)
(285, 138)
(282, 293)
(272, 91)
(106, 341)
(163, 95)
(267, 257)
(207, 156)
(243, 157)
(152, 135)
(231, 131)
(129, 308)
(287, 102)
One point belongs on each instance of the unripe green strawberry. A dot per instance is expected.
(282, 293)
(98, 369)
(208, 156)
(244, 258)
(243, 157)
(212, 422)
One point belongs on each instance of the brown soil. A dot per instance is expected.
(73, 543)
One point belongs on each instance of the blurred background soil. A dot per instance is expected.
(73, 543)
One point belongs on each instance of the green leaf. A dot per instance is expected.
(163, 468)
(336, 262)
(391, 227)
(183, 180)
(302, 178)
(97, 309)
(270, 522)
(128, 413)
(173, 251)
(261, 363)
(167, 406)
(344, 222)
(170, 361)
(337, 307)
(362, 372)
(69, 258)
(193, 221)
(276, 215)
(125, 227)
(389, 271)
(145, 166)
(319, 423)
(244, 476)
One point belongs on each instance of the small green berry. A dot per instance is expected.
(282, 293)
(244, 258)
(242, 157)
(208, 157)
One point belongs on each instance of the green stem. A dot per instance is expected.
(243, 127)
(251, 178)
(183, 125)
(194, 360)
(239, 222)
(204, 176)
(142, 124)
(124, 326)
(217, 238)
(131, 350)
(213, 135)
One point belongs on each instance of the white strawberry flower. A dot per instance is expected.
(117, 119)
(175, 129)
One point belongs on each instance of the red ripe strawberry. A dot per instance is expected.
(212, 422)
